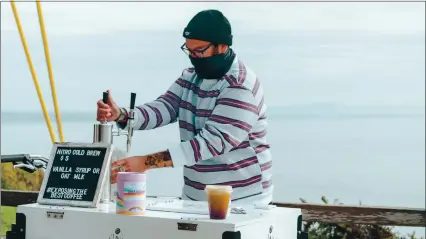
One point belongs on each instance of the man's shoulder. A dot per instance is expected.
(188, 73)
(241, 76)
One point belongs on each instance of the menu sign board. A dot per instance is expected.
(75, 174)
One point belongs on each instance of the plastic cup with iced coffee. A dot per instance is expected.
(219, 199)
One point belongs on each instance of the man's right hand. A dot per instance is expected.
(109, 111)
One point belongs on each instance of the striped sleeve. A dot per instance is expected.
(160, 112)
(232, 118)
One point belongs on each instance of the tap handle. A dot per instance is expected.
(105, 97)
(132, 101)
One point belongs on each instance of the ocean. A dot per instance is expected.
(369, 159)
(379, 161)
(346, 110)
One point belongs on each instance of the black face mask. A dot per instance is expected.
(213, 67)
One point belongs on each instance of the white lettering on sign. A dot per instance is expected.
(63, 151)
(82, 170)
(78, 152)
(65, 175)
(93, 153)
(96, 170)
(62, 169)
(79, 176)
(66, 158)
(66, 193)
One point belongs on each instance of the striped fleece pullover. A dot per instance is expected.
(222, 129)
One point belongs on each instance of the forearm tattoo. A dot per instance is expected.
(159, 160)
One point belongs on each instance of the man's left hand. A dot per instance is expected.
(141, 163)
(130, 164)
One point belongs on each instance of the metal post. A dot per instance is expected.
(102, 133)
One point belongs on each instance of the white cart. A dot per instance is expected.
(164, 219)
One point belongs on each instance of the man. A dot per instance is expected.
(220, 107)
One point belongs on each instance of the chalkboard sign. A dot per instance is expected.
(75, 174)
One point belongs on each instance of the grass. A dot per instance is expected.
(16, 180)
(7, 218)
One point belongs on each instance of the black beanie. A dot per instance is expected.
(211, 26)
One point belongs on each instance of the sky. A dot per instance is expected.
(287, 44)
(67, 18)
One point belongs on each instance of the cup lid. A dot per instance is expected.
(219, 187)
